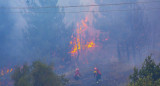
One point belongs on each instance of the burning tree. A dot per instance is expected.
(84, 39)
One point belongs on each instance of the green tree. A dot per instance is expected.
(38, 74)
(148, 67)
(134, 76)
(148, 75)
(21, 76)
(44, 76)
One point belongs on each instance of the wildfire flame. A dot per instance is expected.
(11, 70)
(7, 70)
(4, 72)
(90, 44)
(80, 41)
(84, 39)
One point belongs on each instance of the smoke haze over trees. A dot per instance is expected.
(122, 34)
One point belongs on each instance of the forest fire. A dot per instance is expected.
(91, 44)
(80, 39)
(4, 72)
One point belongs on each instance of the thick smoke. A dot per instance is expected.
(77, 17)
(14, 25)
(132, 34)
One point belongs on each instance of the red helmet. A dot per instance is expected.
(95, 68)
(77, 68)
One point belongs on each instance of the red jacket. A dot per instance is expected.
(77, 73)
(97, 72)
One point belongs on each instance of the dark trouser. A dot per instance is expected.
(98, 77)
(76, 77)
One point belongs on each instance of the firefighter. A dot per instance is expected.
(77, 74)
(97, 75)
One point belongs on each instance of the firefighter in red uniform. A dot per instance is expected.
(97, 74)
(77, 74)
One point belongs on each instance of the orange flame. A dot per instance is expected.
(7, 70)
(4, 72)
(11, 70)
(80, 42)
(70, 42)
(90, 44)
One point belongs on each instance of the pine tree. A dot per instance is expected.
(148, 75)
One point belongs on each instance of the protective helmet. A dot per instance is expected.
(95, 68)
(77, 68)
